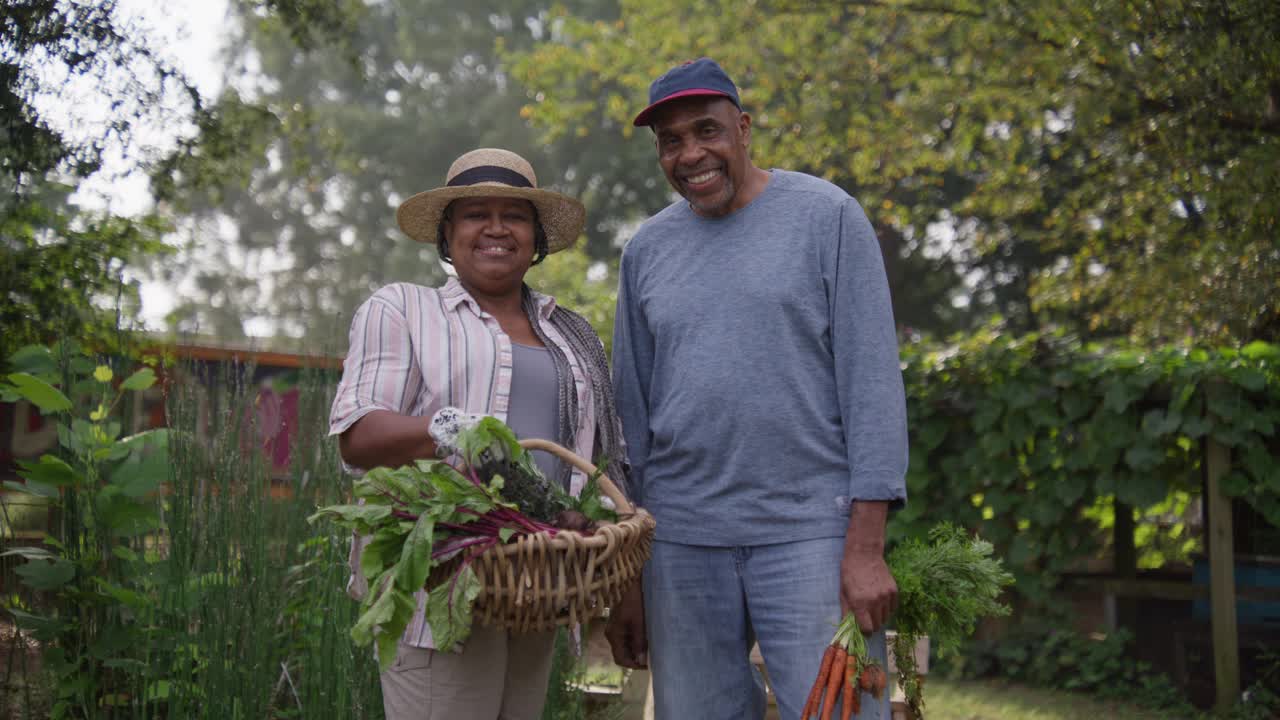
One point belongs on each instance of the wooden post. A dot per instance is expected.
(1222, 580)
(1125, 566)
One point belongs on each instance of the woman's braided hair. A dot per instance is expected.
(585, 344)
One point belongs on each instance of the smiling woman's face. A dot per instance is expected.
(491, 242)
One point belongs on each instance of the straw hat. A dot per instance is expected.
(491, 172)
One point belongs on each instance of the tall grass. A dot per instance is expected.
(238, 608)
(253, 593)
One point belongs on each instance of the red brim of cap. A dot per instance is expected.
(642, 120)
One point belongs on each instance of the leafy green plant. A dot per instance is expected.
(1031, 441)
(1051, 657)
(1261, 701)
(424, 515)
(946, 584)
(93, 572)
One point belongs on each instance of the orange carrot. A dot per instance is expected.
(833, 683)
(811, 704)
(867, 679)
(882, 680)
(850, 678)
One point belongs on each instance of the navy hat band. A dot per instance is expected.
(489, 173)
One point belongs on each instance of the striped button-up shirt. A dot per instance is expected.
(414, 350)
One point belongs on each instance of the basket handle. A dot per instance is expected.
(606, 485)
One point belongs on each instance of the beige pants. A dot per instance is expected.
(497, 676)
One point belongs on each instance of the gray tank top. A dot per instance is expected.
(532, 410)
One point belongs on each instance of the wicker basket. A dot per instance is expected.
(539, 582)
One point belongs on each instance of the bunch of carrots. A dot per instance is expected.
(846, 671)
(945, 585)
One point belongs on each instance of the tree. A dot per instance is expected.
(808, 115)
(65, 270)
(347, 135)
(61, 266)
(1110, 167)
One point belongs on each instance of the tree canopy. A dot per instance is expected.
(61, 264)
(328, 141)
(1111, 167)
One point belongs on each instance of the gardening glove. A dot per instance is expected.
(445, 426)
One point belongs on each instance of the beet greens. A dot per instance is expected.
(431, 512)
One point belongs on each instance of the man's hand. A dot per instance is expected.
(626, 630)
(867, 588)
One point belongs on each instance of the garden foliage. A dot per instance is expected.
(170, 583)
(1023, 439)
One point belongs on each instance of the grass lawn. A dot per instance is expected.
(993, 700)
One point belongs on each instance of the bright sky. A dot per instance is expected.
(190, 34)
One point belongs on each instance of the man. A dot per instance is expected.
(756, 369)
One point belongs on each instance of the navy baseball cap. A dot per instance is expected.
(696, 77)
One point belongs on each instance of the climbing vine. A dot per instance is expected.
(1022, 438)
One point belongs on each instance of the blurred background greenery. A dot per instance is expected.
(1077, 205)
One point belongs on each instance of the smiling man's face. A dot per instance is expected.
(702, 147)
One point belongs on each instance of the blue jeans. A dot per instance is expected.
(706, 606)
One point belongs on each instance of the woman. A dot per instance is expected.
(486, 344)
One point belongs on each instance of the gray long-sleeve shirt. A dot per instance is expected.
(756, 368)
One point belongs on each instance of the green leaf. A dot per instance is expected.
(33, 359)
(123, 515)
(1259, 350)
(42, 575)
(112, 640)
(362, 518)
(390, 614)
(378, 613)
(1076, 406)
(1249, 379)
(1119, 396)
(1143, 457)
(381, 553)
(140, 380)
(449, 607)
(415, 557)
(35, 623)
(387, 646)
(1157, 423)
(124, 553)
(1141, 489)
(123, 595)
(1196, 426)
(40, 393)
(505, 534)
(590, 503)
(82, 365)
(1068, 491)
(147, 467)
(50, 470)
